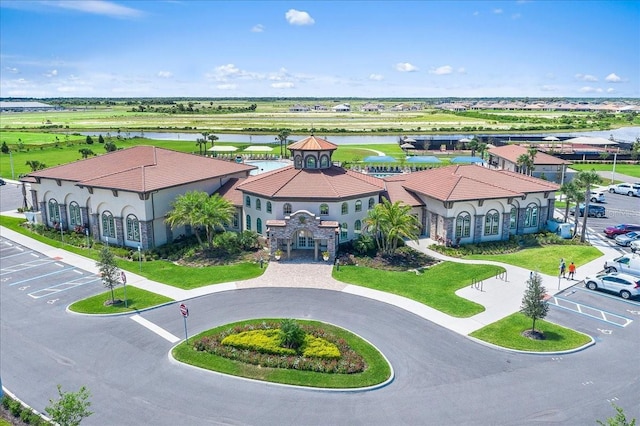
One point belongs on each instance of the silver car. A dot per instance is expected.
(626, 239)
(627, 286)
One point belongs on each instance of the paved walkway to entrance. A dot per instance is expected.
(501, 296)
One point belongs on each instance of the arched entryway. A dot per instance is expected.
(303, 231)
(303, 240)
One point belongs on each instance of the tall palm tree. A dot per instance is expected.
(524, 163)
(586, 179)
(282, 137)
(532, 152)
(473, 145)
(212, 139)
(201, 142)
(391, 223)
(573, 193)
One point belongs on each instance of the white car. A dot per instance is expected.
(635, 245)
(597, 197)
(630, 189)
(627, 286)
(626, 239)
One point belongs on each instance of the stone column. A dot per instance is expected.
(64, 220)
(433, 225)
(119, 230)
(506, 219)
(520, 221)
(84, 216)
(477, 228)
(34, 200)
(146, 235)
(543, 217)
(448, 228)
(43, 209)
(94, 223)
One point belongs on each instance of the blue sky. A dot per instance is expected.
(373, 49)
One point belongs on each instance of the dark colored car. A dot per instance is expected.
(623, 228)
(2, 182)
(594, 211)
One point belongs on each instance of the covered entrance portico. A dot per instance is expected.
(302, 230)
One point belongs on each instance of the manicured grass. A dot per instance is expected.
(137, 299)
(166, 272)
(434, 287)
(545, 259)
(624, 169)
(378, 369)
(507, 333)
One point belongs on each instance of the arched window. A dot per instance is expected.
(108, 225)
(286, 208)
(345, 208)
(258, 204)
(324, 162)
(248, 223)
(358, 206)
(311, 162)
(357, 227)
(531, 216)
(463, 225)
(247, 201)
(268, 206)
(259, 226)
(75, 217)
(133, 228)
(324, 209)
(344, 232)
(54, 211)
(298, 162)
(513, 218)
(491, 223)
(372, 203)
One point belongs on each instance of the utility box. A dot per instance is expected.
(565, 230)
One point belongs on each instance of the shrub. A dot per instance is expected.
(264, 341)
(291, 335)
(320, 348)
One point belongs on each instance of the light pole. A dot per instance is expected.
(13, 176)
(613, 172)
(140, 257)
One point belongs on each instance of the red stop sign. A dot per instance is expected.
(183, 310)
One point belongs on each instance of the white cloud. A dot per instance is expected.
(165, 74)
(51, 73)
(548, 88)
(226, 86)
(497, 11)
(376, 77)
(516, 16)
(230, 71)
(280, 75)
(257, 28)
(611, 90)
(612, 78)
(462, 70)
(297, 17)
(443, 70)
(586, 77)
(12, 70)
(283, 85)
(589, 89)
(405, 67)
(97, 7)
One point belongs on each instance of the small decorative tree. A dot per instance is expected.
(620, 419)
(291, 335)
(108, 270)
(70, 408)
(533, 304)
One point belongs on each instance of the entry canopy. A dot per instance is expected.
(590, 140)
(423, 159)
(407, 145)
(223, 148)
(467, 160)
(380, 159)
(258, 148)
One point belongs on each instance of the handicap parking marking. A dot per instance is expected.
(590, 311)
(43, 275)
(27, 265)
(67, 285)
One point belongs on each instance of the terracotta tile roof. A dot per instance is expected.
(142, 169)
(326, 184)
(397, 192)
(313, 143)
(512, 152)
(469, 182)
(229, 191)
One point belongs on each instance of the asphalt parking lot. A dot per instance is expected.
(30, 278)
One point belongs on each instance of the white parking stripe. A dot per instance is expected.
(155, 328)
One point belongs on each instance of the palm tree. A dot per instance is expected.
(35, 165)
(201, 142)
(391, 223)
(524, 163)
(482, 148)
(282, 137)
(586, 179)
(531, 152)
(212, 139)
(473, 145)
(573, 193)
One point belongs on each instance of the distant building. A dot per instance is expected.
(11, 106)
(544, 165)
(342, 108)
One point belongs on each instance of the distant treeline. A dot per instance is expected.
(193, 108)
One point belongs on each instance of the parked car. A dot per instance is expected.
(626, 239)
(635, 245)
(627, 286)
(623, 228)
(597, 197)
(628, 263)
(594, 210)
(630, 189)
(2, 182)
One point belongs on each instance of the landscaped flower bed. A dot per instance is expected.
(256, 344)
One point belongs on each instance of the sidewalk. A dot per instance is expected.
(501, 296)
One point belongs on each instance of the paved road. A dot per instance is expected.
(440, 376)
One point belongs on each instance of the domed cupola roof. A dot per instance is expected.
(312, 153)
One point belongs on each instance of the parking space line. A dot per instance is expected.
(602, 294)
(41, 276)
(17, 254)
(155, 328)
(590, 311)
(27, 265)
(62, 287)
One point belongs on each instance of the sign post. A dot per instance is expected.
(185, 313)
(123, 277)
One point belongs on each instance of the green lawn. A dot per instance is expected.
(377, 371)
(137, 299)
(507, 333)
(434, 287)
(624, 169)
(545, 259)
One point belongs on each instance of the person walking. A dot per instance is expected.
(572, 270)
(563, 268)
